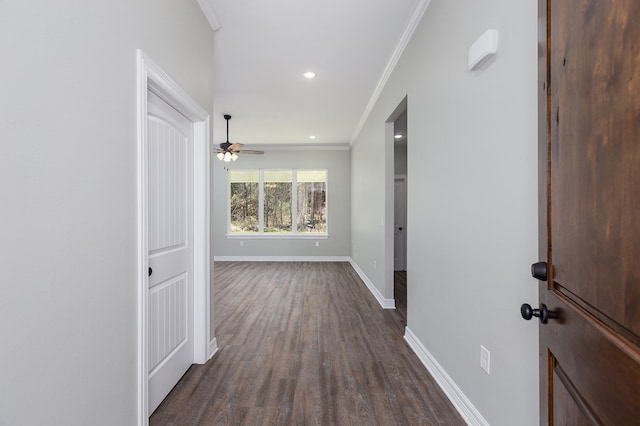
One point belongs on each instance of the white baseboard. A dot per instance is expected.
(459, 400)
(213, 348)
(281, 258)
(385, 303)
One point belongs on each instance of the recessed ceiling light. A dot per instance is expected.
(309, 74)
(312, 137)
(399, 136)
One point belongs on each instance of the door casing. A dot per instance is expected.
(152, 77)
(389, 200)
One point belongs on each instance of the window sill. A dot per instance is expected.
(278, 236)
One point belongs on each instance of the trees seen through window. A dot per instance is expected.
(265, 202)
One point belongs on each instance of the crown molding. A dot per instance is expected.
(210, 14)
(306, 147)
(419, 11)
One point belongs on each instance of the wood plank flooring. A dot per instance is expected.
(400, 294)
(304, 344)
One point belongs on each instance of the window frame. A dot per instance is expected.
(293, 234)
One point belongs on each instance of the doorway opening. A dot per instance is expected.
(153, 82)
(398, 142)
(400, 215)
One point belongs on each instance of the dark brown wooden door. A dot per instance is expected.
(590, 211)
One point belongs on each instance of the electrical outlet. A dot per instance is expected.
(241, 243)
(317, 243)
(485, 359)
(375, 265)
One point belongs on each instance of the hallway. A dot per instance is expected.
(304, 343)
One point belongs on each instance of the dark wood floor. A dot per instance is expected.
(302, 344)
(400, 294)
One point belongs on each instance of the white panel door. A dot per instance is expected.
(400, 205)
(170, 221)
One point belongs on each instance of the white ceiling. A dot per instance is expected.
(264, 46)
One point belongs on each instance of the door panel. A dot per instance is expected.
(170, 233)
(167, 185)
(167, 313)
(595, 81)
(567, 411)
(590, 201)
(594, 370)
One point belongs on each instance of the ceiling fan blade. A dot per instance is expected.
(249, 151)
(235, 146)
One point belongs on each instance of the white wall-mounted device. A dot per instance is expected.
(483, 49)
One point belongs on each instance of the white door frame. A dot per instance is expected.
(389, 179)
(151, 77)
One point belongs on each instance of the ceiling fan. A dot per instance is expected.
(229, 151)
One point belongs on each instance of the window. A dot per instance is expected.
(312, 205)
(278, 202)
(244, 201)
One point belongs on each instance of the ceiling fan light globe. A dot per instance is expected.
(227, 157)
(220, 156)
(234, 156)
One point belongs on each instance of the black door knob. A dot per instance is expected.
(539, 271)
(528, 312)
(150, 271)
(400, 229)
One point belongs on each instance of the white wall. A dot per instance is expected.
(472, 199)
(337, 162)
(68, 190)
(400, 146)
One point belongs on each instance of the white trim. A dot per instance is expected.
(142, 260)
(202, 237)
(293, 147)
(228, 197)
(213, 348)
(151, 77)
(281, 258)
(260, 202)
(275, 236)
(385, 303)
(419, 11)
(294, 201)
(210, 14)
(327, 206)
(389, 207)
(467, 410)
